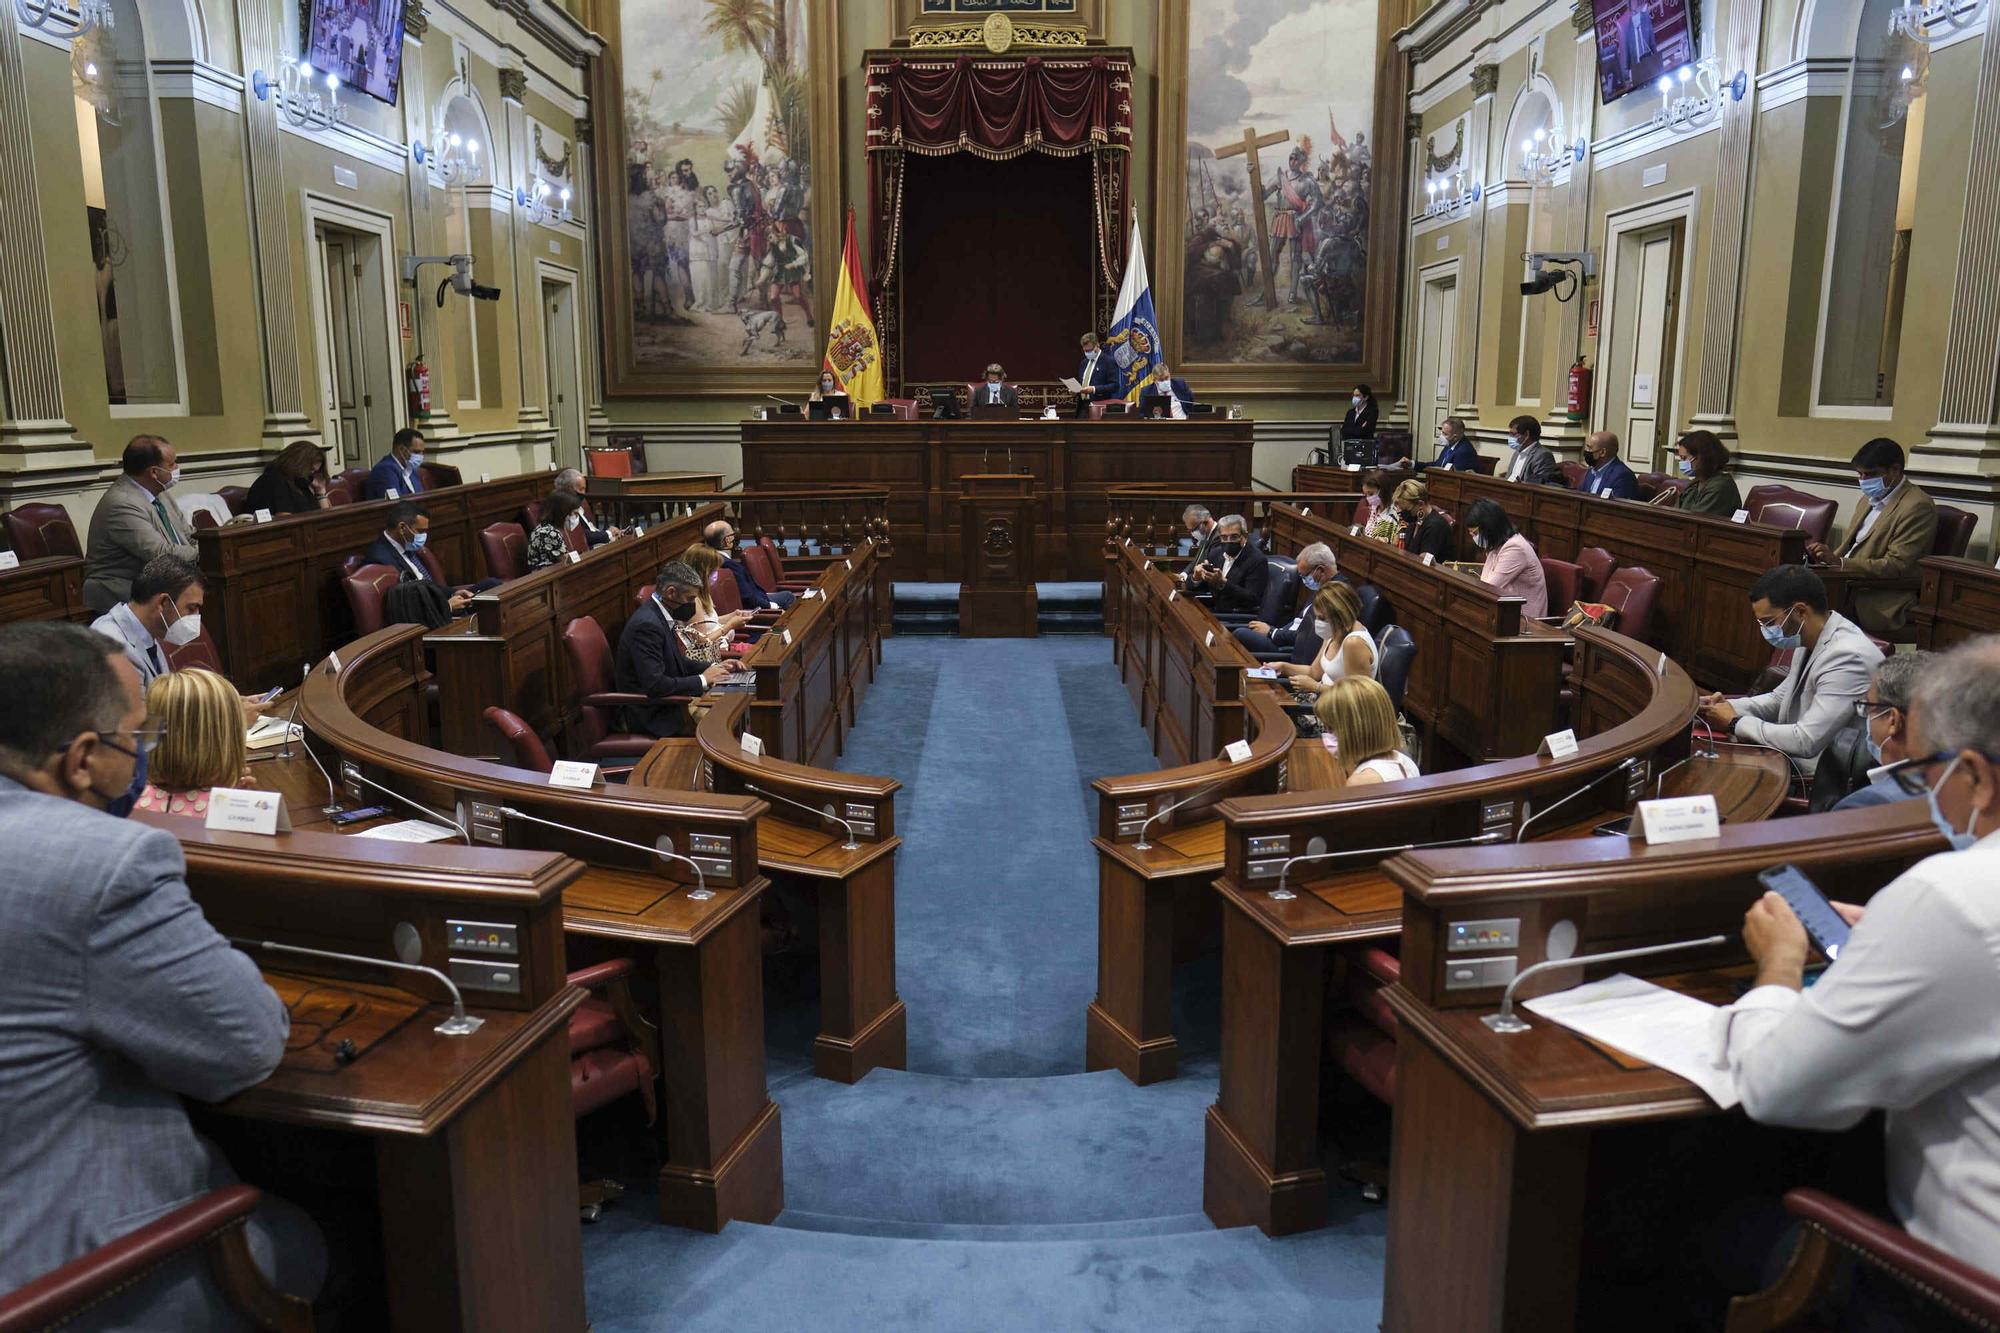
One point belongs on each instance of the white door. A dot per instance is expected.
(559, 345)
(1644, 356)
(1437, 337)
(359, 393)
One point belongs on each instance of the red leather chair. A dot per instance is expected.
(1573, 472)
(607, 462)
(906, 408)
(340, 492)
(577, 540)
(1834, 1236)
(758, 558)
(236, 497)
(1652, 483)
(354, 477)
(201, 653)
(436, 476)
(38, 531)
(613, 1052)
(1954, 530)
(1634, 591)
(1484, 464)
(506, 550)
(1595, 566)
(200, 519)
(366, 588)
(520, 739)
(595, 703)
(211, 1224)
(1783, 507)
(776, 554)
(1563, 580)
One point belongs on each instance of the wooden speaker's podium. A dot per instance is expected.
(996, 599)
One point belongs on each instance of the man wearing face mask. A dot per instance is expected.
(1237, 570)
(120, 998)
(1831, 664)
(1532, 460)
(1316, 568)
(163, 613)
(1885, 726)
(134, 522)
(1455, 453)
(1902, 1021)
(755, 596)
(399, 473)
(571, 480)
(994, 391)
(400, 547)
(1608, 476)
(651, 662)
(1894, 526)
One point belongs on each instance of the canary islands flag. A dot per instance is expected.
(853, 352)
(1135, 332)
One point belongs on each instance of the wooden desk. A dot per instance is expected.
(471, 1138)
(652, 485)
(1960, 599)
(274, 594)
(920, 463)
(1490, 1180)
(47, 589)
(816, 661)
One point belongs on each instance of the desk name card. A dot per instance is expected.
(1740, 516)
(9, 560)
(1429, 558)
(574, 557)
(1680, 819)
(1237, 751)
(1209, 642)
(393, 493)
(243, 810)
(573, 773)
(753, 744)
(1559, 744)
(263, 516)
(788, 638)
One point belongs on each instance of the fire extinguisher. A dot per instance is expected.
(1579, 391)
(419, 377)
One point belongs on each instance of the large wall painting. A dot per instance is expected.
(1276, 199)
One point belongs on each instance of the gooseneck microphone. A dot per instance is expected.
(1142, 845)
(851, 845)
(1282, 894)
(1624, 765)
(354, 774)
(458, 1025)
(699, 893)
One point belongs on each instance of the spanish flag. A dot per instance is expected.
(853, 352)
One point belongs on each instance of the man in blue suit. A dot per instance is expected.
(400, 546)
(1176, 397)
(117, 997)
(1608, 475)
(399, 473)
(1097, 375)
(756, 597)
(1455, 452)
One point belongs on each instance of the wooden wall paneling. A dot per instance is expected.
(50, 588)
(1959, 600)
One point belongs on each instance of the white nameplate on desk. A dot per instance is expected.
(753, 744)
(1680, 819)
(574, 557)
(849, 564)
(240, 810)
(788, 638)
(1305, 509)
(1740, 516)
(573, 773)
(1663, 665)
(1559, 744)
(393, 493)
(1353, 467)
(1209, 642)
(1429, 559)
(263, 516)
(1238, 751)
(485, 477)
(1173, 593)
(9, 560)
(1354, 529)
(1604, 494)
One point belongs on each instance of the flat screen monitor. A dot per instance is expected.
(361, 42)
(944, 404)
(1639, 42)
(823, 407)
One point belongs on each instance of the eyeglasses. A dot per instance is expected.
(1913, 775)
(1868, 712)
(146, 739)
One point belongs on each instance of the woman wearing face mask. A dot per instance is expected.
(1346, 647)
(828, 390)
(1359, 423)
(202, 718)
(549, 543)
(1371, 505)
(1359, 722)
(1701, 457)
(706, 633)
(1421, 528)
(1511, 566)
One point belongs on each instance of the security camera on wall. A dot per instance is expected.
(1541, 278)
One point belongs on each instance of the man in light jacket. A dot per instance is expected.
(134, 521)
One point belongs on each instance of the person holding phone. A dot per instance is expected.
(1903, 1019)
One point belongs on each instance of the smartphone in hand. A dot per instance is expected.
(1826, 928)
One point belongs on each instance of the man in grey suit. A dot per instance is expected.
(1534, 462)
(995, 391)
(1832, 662)
(117, 997)
(134, 522)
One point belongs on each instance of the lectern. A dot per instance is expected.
(996, 598)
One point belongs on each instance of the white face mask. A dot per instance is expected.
(1324, 630)
(173, 477)
(185, 630)
(574, 521)
(1479, 540)
(1357, 400)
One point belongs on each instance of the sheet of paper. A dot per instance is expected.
(1262, 673)
(409, 830)
(271, 731)
(1662, 1027)
(1072, 385)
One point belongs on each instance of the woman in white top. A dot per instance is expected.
(706, 636)
(1360, 722)
(1346, 647)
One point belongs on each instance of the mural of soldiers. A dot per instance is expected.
(786, 272)
(681, 200)
(652, 293)
(1298, 195)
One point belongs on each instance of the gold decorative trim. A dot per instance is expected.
(997, 28)
(556, 168)
(1437, 163)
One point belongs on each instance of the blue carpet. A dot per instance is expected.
(993, 1186)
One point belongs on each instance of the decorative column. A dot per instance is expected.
(262, 44)
(588, 289)
(1968, 425)
(31, 412)
(426, 227)
(1413, 140)
(531, 372)
(1715, 386)
(1479, 136)
(1575, 218)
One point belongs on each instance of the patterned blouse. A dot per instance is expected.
(192, 802)
(546, 546)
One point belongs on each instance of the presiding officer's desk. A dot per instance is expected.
(1538, 1180)
(50, 588)
(459, 1150)
(1073, 461)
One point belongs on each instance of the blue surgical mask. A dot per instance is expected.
(1687, 467)
(1875, 488)
(1776, 636)
(417, 542)
(1313, 582)
(416, 460)
(120, 806)
(1515, 442)
(1960, 839)
(1868, 735)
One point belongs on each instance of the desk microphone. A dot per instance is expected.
(305, 671)
(1505, 1020)
(699, 893)
(1624, 765)
(1142, 845)
(332, 806)
(458, 1025)
(1694, 753)
(353, 774)
(851, 845)
(1281, 893)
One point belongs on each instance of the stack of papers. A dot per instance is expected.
(1651, 1023)
(269, 731)
(409, 830)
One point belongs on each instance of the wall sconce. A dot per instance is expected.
(41, 14)
(1934, 22)
(458, 164)
(1450, 196)
(542, 205)
(1542, 157)
(297, 98)
(1692, 97)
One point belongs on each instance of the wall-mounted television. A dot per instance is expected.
(361, 41)
(1638, 41)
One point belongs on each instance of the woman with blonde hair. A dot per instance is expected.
(1360, 723)
(707, 634)
(1346, 646)
(200, 716)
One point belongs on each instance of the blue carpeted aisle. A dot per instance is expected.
(993, 1185)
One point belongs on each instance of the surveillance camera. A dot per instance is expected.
(483, 293)
(1541, 282)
